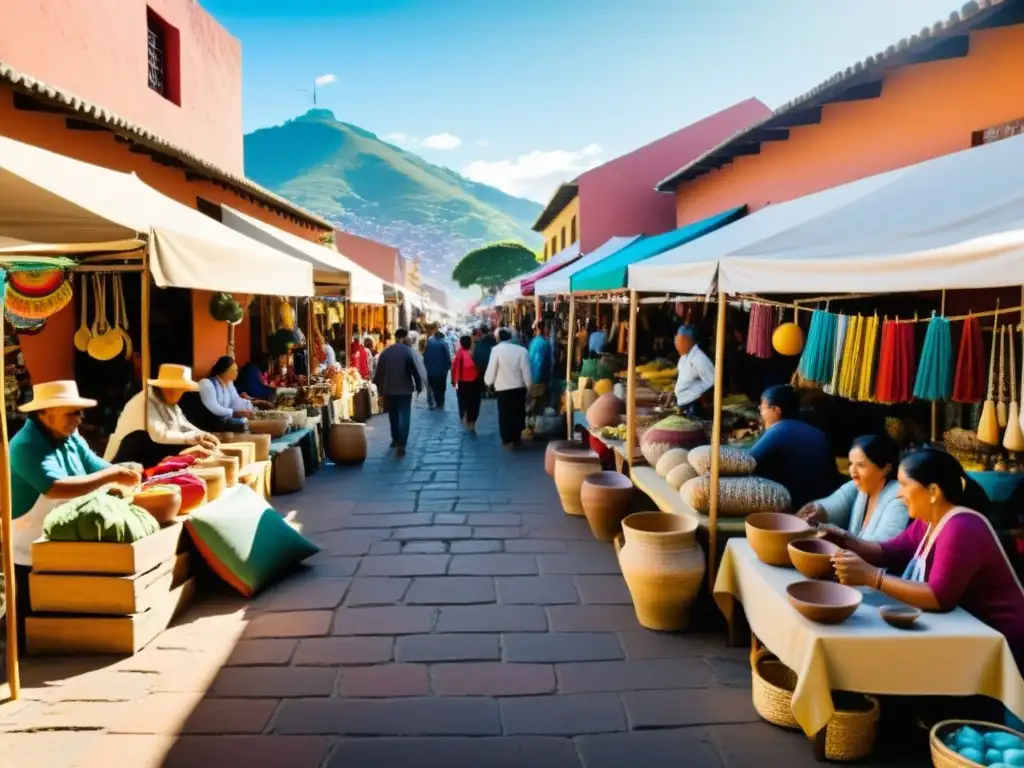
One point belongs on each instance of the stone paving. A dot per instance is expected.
(455, 617)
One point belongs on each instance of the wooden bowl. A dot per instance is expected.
(163, 502)
(813, 557)
(824, 601)
(900, 616)
(272, 427)
(770, 533)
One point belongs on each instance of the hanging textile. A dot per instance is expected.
(969, 380)
(816, 362)
(869, 359)
(760, 330)
(897, 362)
(842, 324)
(935, 373)
(850, 365)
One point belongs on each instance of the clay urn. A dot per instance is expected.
(606, 411)
(572, 466)
(605, 498)
(557, 445)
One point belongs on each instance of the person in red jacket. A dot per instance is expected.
(467, 383)
(359, 358)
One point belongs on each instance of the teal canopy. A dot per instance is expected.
(609, 274)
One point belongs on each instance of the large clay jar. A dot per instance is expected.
(572, 465)
(605, 411)
(587, 398)
(669, 433)
(663, 566)
(605, 498)
(347, 443)
(557, 445)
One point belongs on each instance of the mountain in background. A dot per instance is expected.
(372, 188)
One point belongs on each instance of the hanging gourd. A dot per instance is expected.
(988, 425)
(224, 309)
(969, 380)
(788, 340)
(1013, 439)
(935, 374)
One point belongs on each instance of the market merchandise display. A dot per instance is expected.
(737, 496)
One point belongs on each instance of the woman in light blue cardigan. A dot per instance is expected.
(869, 505)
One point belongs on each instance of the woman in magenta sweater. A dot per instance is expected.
(466, 380)
(948, 557)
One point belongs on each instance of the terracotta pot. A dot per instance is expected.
(347, 443)
(770, 533)
(605, 411)
(557, 445)
(663, 566)
(272, 427)
(605, 499)
(572, 465)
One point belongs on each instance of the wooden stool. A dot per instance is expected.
(289, 473)
(347, 443)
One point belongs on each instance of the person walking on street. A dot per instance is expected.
(540, 369)
(509, 373)
(398, 377)
(438, 363)
(466, 380)
(482, 355)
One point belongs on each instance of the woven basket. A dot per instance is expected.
(944, 757)
(850, 733)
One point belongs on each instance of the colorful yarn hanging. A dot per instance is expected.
(816, 363)
(36, 294)
(869, 358)
(969, 379)
(897, 361)
(849, 366)
(842, 324)
(935, 373)
(760, 330)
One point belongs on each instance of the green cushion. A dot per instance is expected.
(245, 541)
(99, 516)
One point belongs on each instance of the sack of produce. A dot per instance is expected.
(99, 516)
(737, 496)
(670, 460)
(673, 432)
(733, 462)
(677, 476)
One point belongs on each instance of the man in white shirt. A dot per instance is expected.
(696, 371)
(508, 371)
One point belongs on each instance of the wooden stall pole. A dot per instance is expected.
(716, 442)
(13, 673)
(631, 381)
(145, 353)
(568, 366)
(935, 404)
(348, 333)
(311, 362)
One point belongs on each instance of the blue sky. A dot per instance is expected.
(525, 94)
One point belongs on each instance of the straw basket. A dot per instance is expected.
(944, 757)
(849, 735)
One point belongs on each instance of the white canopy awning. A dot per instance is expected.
(329, 266)
(559, 282)
(692, 267)
(954, 222)
(47, 198)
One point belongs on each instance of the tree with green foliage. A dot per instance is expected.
(493, 265)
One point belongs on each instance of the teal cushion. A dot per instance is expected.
(245, 541)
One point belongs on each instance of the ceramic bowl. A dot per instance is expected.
(813, 557)
(770, 533)
(900, 616)
(824, 601)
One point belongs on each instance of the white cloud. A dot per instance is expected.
(323, 80)
(441, 141)
(536, 174)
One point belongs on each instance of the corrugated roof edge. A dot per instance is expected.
(559, 200)
(116, 123)
(877, 61)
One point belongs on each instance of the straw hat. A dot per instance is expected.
(173, 376)
(56, 394)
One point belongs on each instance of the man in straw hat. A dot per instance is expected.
(49, 464)
(164, 431)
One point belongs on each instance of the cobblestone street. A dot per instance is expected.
(455, 617)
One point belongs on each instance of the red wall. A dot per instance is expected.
(383, 260)
(97, 50)
(925, 111)
(618, 198)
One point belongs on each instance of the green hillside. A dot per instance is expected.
(341, 171)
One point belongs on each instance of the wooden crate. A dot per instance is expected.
(257, 476)
(109, 595)
(123, 635)
(109, 558)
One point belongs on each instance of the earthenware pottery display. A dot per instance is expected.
(663, 567)
(572, 465)
(770, 533)
(900, 616)
(605, 498)
(347, 443)
(824, 601)
(605, 411)
(813, 557)
(557, 445)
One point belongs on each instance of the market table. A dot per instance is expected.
(948, 654)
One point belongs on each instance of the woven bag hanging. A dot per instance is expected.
(969, 379)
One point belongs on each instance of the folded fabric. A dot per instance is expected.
(193, 488)
(245, 541)
(99, 516)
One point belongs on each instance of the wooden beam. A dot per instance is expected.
(77, 124)
(27, 103)
(795, 118)
(631, 380)
(870, 89)
(716, 443)
(956, 47)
